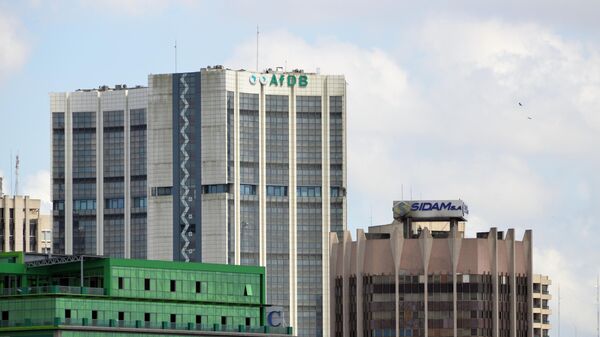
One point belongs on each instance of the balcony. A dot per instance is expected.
(86, 324)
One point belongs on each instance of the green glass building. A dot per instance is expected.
(97, 296)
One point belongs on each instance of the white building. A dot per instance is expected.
(22, 226)
(250, 168)
(99, 171)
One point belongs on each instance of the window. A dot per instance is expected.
(147, 284)
(5, 315)
(68, 313)
(83, 205)
(158, 191)
(247, 189)
(173, 318)
(309, 191)
(277, 191)
(223, 320)
(94, 314)
(221, 188)
(121, 316)
(248, 321)
(198, 287)
(146, 317)
(139, 202)
(121, 283)
(173, 285)
(248, 290)
(198, 319)
(115, 203)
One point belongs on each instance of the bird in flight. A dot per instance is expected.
(529, 118)
(520, 104)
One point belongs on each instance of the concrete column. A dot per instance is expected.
(99, 177)
(127, 178)
(325, 205)
(26, 223)
(262, 185)
(397, 242)
(510, 241)
(236, 184)
(426, 243)
(293, 216)
(455, 245)
(528, 243)
(347, 263)
(361, 243)
(493, 249)
(68, 177)
(333, 256)
(6, 204)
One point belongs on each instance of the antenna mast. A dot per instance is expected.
(257, 32)
(175, 55)
(17, 176)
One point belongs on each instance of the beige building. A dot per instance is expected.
(541, 309)
(386, 285)
(22, 227)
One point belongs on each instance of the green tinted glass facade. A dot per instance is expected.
(120, 293)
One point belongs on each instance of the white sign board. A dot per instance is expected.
(430, 209)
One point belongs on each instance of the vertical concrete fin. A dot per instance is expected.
(493, 255)
(361, 243)
(397, 244)
(510, 245)
(346, 284)
(333, 256)
(455, 244)
(426, 243)
(528, 243)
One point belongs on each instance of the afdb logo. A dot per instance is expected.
(401, 209)
(279, 80)
(262, 79)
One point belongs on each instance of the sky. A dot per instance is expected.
(433, 101)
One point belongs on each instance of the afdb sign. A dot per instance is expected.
(279, 80)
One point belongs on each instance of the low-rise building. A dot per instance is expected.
(97, 296)
(22, 226)
(541, 308)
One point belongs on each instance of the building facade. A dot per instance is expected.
(95, 296)
(22, 226)
(541, 307)
(99, 171)
(390, 284)
(250, 168)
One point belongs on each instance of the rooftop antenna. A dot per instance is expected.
(411, 198)
(175, 56)
(17, 176)
(598, 305)
(371, 211)
(257, 32)
(401, 191)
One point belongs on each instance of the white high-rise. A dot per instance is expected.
(250, 168)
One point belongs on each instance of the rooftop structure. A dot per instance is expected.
(119, 297)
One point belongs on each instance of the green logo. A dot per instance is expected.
(281, 80)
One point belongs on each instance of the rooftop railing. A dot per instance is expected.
(85, 322)
(51, 290)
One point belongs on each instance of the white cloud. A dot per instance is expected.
(38, 186)
(13, 47)
(136, 8)
(454, 129)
